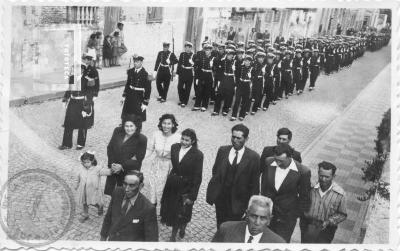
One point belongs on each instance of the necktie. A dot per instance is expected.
(250, 240)
(125, 206)
(234, 162)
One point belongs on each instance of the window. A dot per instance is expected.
(277, 16)
(154, 15)
(82, 14)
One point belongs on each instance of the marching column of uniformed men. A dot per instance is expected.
(245, 79)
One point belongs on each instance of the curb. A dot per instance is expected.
(58, 95)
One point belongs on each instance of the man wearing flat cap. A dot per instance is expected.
(163, 71)
(185, 72)
(136, 95)
(327, 210)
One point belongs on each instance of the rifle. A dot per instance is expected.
(173, 51)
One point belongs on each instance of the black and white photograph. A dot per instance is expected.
(199, 125)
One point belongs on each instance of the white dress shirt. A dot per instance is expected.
(321, 193)
(256, 238)
(232, 155)
(138, 69)
(183, 151)
(281, 173)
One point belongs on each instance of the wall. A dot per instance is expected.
(146, 38)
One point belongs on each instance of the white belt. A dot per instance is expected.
(165, 65)
(189, 67)
(288, 70)
(245, 80)
(205, 70)
(78, 97)
(229, 74)
(137, 88)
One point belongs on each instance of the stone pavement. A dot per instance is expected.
(35, 133)
(348, 142)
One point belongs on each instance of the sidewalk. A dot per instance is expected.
(28, 88)
(348, 142)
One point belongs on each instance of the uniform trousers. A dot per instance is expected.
(204, 88)
(242, 98)
(296, 80)
(283, 226)
(257, 93)
(317, 236)
(286, 82)
(225, 94)
(162, 81)
(269, 92)
(304, 79)
(184, 85)
(314, 72)
(67, 137)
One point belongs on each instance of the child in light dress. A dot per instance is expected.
(88, 185)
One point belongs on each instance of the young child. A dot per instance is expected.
(88, 185)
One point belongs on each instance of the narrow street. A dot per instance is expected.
(36, 132)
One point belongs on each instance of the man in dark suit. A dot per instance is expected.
(235, 177)
(130, 215)
(254, 229)
(283, 136)
(287, 183)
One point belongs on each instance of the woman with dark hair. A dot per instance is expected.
(183, 182)
(125, 151)
(161, 143)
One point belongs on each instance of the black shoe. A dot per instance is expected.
(214, 114)
(233, 119)
(179, 103)
(252, 113)
(64, 147)
(182, 233)
(79, 147)
(265, 109)
(159, 98)
(162, 100)
(183, 105)
(212, 102)
(195, 108)
(241, 118)
(224, 114)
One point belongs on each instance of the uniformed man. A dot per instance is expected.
(243, 89)
(297, 71)
(270, 72)
(257, 79)
(185, 72)
(315, 62)
(287, 77)
(197, 70)
(305, 70)
(226, 88)
(277, 77)
(218, 72)
(205, 64)
(136, 95)
(163, 71)
(79, 103)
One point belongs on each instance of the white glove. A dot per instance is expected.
(143, 107)
(94, 98)
(191, 62)
(84, 114)
(122, 101)
(249, 74)
(154, 74)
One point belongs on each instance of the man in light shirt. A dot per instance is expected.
(254, 229)
(327, 210)
(287, 183)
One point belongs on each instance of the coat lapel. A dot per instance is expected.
(243, 163)
(290, 178)
(271, 176)
(132, 212)
(186, 155)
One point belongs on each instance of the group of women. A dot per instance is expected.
(175, 172)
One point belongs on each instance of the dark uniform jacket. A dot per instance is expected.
(138, 224)
(161, 60)
(137, 92)
(185, 60)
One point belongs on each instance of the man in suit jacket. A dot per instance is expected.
(235, 177)
(130, 215)
(254, 229)
(287, 183)
(283, 136)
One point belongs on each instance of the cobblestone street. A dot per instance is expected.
(36, 132)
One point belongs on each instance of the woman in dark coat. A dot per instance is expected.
(125, 151)
(183, 182)
(107, 51)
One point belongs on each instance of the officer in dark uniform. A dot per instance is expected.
(243, 89)
(257, 79)
(305, 70)
(297, 71)
(197, 70)
(315, 62)
(205, 64)
(163, 68)
(269, 81)
(226, 88)
(218, 72)
(286, 80)
(329, 56)
(80, 106)
(185, 73)
(136, 95)
(277, 77)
